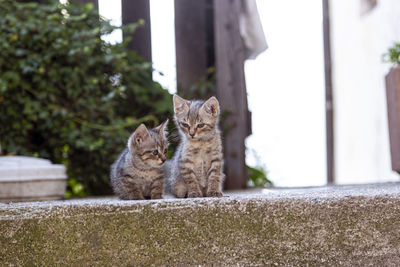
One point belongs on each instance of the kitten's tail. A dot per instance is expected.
(167, 170)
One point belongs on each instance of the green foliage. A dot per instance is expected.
(75, 188)
(393, 55)
(67, 95)
(258, 177)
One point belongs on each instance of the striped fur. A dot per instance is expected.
(137, 173)
(196, 170)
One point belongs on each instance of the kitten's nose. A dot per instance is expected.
(163, 159)
(192, 133)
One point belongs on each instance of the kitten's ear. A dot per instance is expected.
(180, 104)
(211, 106)
(162, 128)
(138, 137)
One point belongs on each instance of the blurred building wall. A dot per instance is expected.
(359, 38)
(285, 86)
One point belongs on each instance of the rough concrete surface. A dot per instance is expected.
(346, 226)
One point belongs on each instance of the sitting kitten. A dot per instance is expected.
(137, 174)
(196, 170)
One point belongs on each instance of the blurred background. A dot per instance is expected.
(316, 94)
(286, 86)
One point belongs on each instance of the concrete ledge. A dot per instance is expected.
(352, 225)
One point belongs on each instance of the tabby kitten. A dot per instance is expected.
(196, 170)
(137, 173)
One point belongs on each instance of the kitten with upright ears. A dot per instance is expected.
(196, 170)
(137, 173)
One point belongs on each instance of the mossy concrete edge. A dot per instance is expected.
(251, 230)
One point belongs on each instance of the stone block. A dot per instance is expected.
(25, 178)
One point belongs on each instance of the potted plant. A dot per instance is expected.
(393, 104)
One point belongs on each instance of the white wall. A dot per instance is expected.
(163, 43)
(285, 85)
(358, 42)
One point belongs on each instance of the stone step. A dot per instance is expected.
(343, 225)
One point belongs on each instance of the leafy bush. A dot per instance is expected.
(393, 55)
(67, 95)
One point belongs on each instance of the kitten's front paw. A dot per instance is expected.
(214, 194)
(193, 194)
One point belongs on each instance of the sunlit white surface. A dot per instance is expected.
(285, 85)
(362, 151)
(163, 43)
(111, 10)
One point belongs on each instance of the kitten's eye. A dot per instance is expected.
(200, 125)
(185, 124)
(165, 151)
(155, 152)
